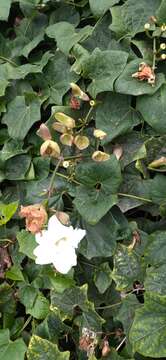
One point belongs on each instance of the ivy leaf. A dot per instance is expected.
(101, 238)
(69, 299)
(99, 190)
(26, 116)
(153, 109)
(17, 167)
(5, 8)
(44, 349)
(155, 280)
(154, 252)
(115, 116)
(27, 243)
(126, 311)
(103, 68)
(98, 8)
(125, 84)
(65, 35)
(161, 12)
(14, 273)
(127, 268)
(148, 332)
(15, 349)
(7, 211)
(102, 277)
(57, 78)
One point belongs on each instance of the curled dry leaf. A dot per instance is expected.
(50, 148)
(36, 217)
(100, 156)
(135, 240)
(106, 348)
(82, 142)
(66, 139)
(44, 132)
(77, 92)
(157, 163)
(118, 151)
(65, 120)
(63, 217)
(88, 341)
(145, 72)
(5, 261)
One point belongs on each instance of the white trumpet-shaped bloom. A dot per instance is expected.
(57, 245)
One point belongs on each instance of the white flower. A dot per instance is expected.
(57, 245)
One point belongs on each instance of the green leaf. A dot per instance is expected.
(127, 310)
(154, 252)
(14, 273)
(161, 13)
(102, 277)
(98, 192)
(101, 238)
(26, 116)
(115, 115)
(40, 308)
(7, 211)
(148, 332)
(155, 280)
(133, 16)
(15, 349)
(99, 8)
(126, 84)
(5, 9)
(153, 109)
(27, 243)
(27, 295)
(11, 148)
(127, 268)
(42, 349)
(103, 68)
(69, 299)
(65, 35)
(7, 303)
(57, 78)
(17, 167)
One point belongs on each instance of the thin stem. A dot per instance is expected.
(24, 326)
(8, 60)
(88, 114)
(154, 54)
(121, 343)
(67, 178)
(135, 197)
(53, 177)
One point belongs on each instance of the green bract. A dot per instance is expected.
(112, 303)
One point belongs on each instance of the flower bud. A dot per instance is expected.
(82, 142)
(92, 103)
(44, 132)
(118, 151)
(50, 148)
(162, 46)
(163, 56)
(106, 349)
(147, 26)
(63, 217)
(99, 134)
(76, 91)
(157, 163)
(59, 127)
(100, 156)
(65, 120)
(66, 164)
(163, 27)
(66, 139)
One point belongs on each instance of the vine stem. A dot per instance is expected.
(154, 54)
(8, 60)
(121, 343)
(135, 197)
(53, 177)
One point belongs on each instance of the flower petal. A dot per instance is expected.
(41, 236)
(64, 259)
(44, 255)
(75, 236)
(56, 229)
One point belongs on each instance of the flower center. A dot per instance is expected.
(63, 239)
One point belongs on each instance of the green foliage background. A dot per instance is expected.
(44, 46)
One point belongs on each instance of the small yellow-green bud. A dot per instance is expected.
(66, 139)
(92, 103)
(65, 120)
(147, 26)
(66, 164)
(162, 46)
(163, 56)
(82, 142)
(50, 148)
(99, 134)
(100, 156)
(163, 27)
